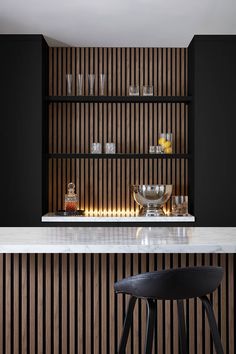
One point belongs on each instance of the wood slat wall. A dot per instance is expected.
(60, 303)
(104, 184)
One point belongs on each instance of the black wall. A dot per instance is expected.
(23, 61)
(212, 120)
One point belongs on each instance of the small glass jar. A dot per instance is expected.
(110, 148)
(159, 149)
(148, 90)
(96, 148)
(152, 149)
(165, 140)
(134, 90)
(71, 199)
(180, 205)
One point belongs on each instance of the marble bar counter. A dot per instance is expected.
(118, 240)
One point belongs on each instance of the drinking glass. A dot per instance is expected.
(110, 148)
(102, 84)
(159, 149)
(69, 82)
(134, 90)
(148, 90)
(152, 149)
(180, 205)
(96, 148)
(91, 80)
(80, 84)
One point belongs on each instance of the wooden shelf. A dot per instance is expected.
(119, 99)
(118, 156)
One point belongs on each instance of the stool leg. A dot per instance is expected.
(127, 325)
(182, 331)
(213, 326)
(151, 304)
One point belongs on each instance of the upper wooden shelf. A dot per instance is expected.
(120, 99)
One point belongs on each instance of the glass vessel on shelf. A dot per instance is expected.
(148, 90)
(69, 84)
(71, 199)
(96, 148)
(134, 90)
(102, 84)
(80, 84)
(91, 84)
(180, 205)
(165, 140)
(110, 148)
(152, 149)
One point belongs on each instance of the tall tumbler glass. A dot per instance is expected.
(102, 84)
(69, 82)
(80, 84)
(91, 80)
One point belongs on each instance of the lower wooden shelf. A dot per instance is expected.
(52, 217)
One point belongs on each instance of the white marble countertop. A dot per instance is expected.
(118, 240)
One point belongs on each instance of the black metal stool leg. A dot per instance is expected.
(213, 326)
(151, 304)
(127, 325)
(182, 331)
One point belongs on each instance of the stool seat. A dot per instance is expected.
(172, 284)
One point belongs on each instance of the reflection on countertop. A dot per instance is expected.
(118, 240)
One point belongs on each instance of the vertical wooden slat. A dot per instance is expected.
(48, 312)
(64, 309)
(32, 280)
(8, 305)
(55, 280)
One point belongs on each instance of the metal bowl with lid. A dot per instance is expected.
(151, 197)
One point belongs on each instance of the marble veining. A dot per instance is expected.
(118, 240)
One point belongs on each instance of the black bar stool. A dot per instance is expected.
(172, 284)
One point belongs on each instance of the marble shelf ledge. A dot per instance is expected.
(52, 217)
(99, 239)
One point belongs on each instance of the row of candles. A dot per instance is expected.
(147, 90)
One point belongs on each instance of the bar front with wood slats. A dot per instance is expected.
(104, 184)
(51, 303)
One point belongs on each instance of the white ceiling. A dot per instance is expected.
(123, 23)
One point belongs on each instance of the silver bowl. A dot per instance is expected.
(151, 198)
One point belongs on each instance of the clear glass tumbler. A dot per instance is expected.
(91, 82)
(69, 83)
(180, 205)
(80, 84)
(96, 148)
(152, 149)
(102, 84)
(159, 149)
(134, 90)
(110, 148)
(148, 90)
